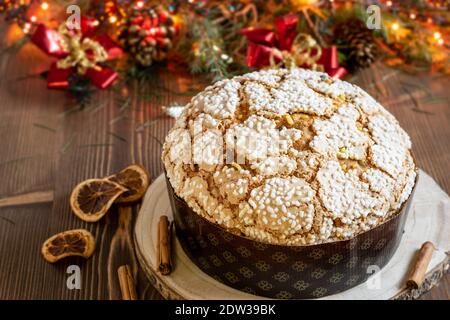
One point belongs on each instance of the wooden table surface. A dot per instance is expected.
(47, 143)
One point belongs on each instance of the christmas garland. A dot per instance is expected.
(222, 38)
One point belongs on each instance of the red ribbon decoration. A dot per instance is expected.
(49, 41)
(329, 60)
(263, 41)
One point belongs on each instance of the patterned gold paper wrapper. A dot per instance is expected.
(282, 271)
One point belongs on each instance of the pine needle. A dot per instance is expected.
(7, 220)
(157, 140)
(422, 111)
(117, 119)
(8, 162)
(416, 103)
(67, 145)
(117, 136)
(205, 47)
(42, 126)
(96, 145)
(148, 123)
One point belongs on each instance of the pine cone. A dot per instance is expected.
(359, 43)
(147, 35)
(6, 5)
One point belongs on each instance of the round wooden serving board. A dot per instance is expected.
(429, 220)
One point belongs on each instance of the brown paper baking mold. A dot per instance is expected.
(282, 271)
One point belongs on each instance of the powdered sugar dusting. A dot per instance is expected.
(257, 138)
(392, 144)
(221, 102)
(339, 135)
(290, 156)
(281, 205)
(292, 95)
(345, 196)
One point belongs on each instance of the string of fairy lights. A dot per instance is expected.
(415, 15)
(403, 22)
(114, 12)
(19, 12)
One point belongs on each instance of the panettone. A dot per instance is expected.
(289, 157)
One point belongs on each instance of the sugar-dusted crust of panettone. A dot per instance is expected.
(341, 165)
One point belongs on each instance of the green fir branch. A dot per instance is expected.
(205, 47)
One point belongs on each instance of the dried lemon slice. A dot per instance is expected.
(91, 199)
(77, 242)
(135, 178)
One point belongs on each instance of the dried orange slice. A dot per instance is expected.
(91, 199)
(134, 178)
(77, 242)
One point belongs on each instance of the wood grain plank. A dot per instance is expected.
(50, 144)
(27, 198)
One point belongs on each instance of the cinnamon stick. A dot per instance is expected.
(27, 198)
(164, 246)
(127, 286)
(419, 269)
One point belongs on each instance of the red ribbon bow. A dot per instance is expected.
(266, 44)
(51, 42)
(329, 60)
